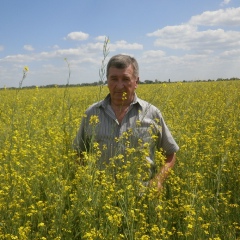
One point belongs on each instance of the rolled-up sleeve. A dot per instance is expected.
(166, 140)
(80, 143)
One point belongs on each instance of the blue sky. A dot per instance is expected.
(171, 39)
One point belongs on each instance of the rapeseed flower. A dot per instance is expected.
(45, 194)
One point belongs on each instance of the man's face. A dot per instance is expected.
(120, 81)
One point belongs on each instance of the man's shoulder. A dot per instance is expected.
(147, 105)
(94, 106)
(149, 110)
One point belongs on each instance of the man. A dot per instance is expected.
(121, 114)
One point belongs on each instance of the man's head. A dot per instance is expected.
(123, 61)
(122, 79)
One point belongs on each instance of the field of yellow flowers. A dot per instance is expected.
(44, 194)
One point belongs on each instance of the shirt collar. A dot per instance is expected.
(106, 101)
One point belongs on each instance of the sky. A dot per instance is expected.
(171, 39)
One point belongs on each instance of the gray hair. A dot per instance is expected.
(123, 61)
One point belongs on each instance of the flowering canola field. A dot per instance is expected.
(44, 194)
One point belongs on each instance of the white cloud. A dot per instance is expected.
(225, 2)
(175, 37)
(20, 58)
(154, 54)
(232, 53)
(94, 46)
(183, 38)
(221, 17)
(189, 37)
(78, 36)
(50, 68)
(28, 47)
(55, 46)
(122, 44)
(85, 53)
(201, 52)
(69, 51)
(101, 38)
(188, 67)
(173, 30)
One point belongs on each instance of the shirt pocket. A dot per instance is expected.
(141, 135)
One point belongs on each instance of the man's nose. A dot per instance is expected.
(120, 84)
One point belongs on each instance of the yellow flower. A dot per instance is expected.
(41, 224)
(94, 120)
(25, 69)
(190, 226)
(124, 96)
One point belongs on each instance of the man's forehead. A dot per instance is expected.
(124, 71)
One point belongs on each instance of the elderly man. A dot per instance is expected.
(122, 112)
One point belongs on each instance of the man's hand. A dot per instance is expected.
(162, 175)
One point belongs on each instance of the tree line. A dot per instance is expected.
(100, 83)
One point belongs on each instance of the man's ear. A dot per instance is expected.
(137, 81)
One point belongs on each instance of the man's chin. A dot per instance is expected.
(118, 96)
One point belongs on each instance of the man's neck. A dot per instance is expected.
(123, 104)
(120, 111)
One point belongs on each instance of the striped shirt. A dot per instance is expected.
(143, 123)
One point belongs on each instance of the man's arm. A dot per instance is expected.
(163, 173)
(80, 143)
(80, 159)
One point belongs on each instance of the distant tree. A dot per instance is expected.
(148, 81)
